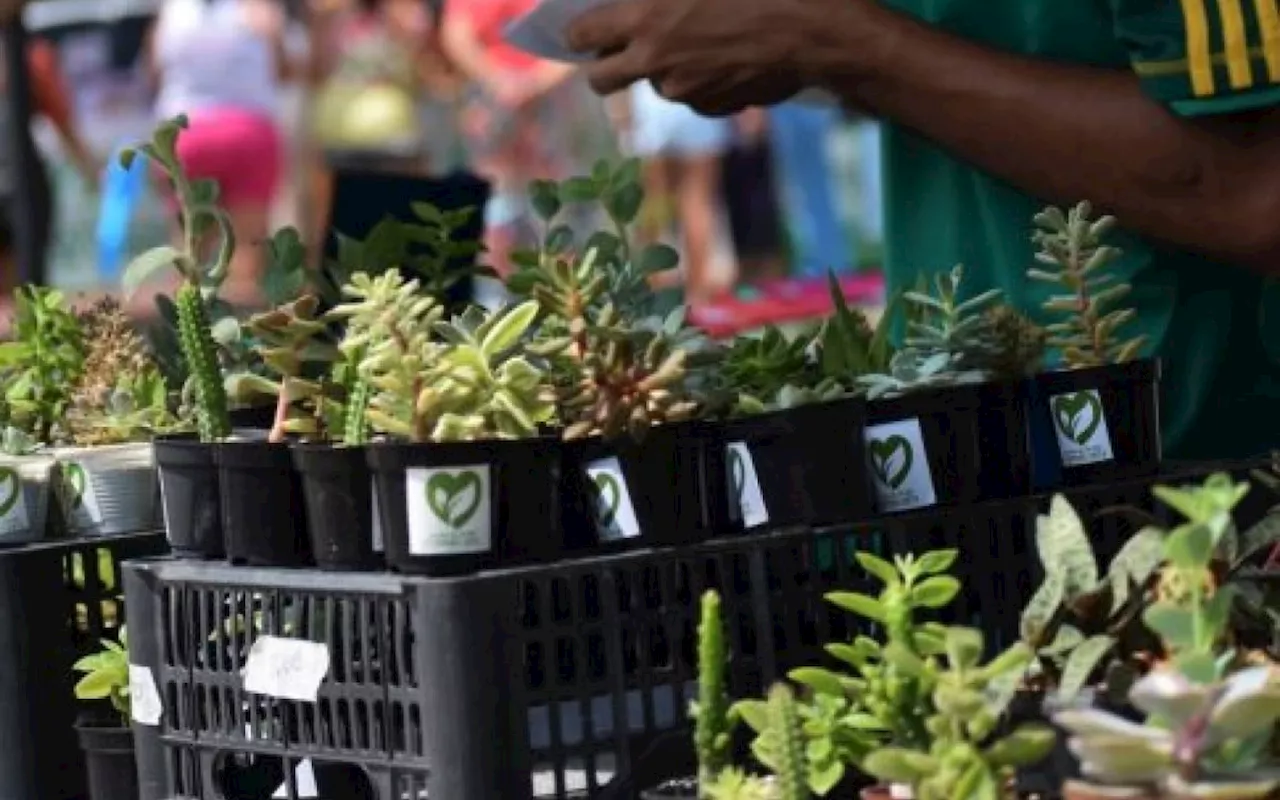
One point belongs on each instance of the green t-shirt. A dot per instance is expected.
(1203, 318)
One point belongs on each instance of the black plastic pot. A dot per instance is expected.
(263, 515)
(109, 762)
(338, 492)
(459, 507)
(1004, 441)
(670, 488)
(674, 789)
(1103, 423)
(189, 496)
(809, 463)
(257, 417)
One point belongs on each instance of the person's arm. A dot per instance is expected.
(461, 44)
(1065, 133)
(51, 100)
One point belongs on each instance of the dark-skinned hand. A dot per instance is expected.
(717, 56)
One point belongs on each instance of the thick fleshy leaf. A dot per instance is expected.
(506, 332)
(1250, 704)
(146, 266)
(1083, 662)
(1063, 544)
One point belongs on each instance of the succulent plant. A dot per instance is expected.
(943, 323)
(736, 784)
(198, 202)
(390, 330)
(105, 675)
(1199, 740)
(780, 744)
(1073, 256)
(41, 363)
(913, 371)
(772, 371)
(963, 758)
(847, 346)
(710, 712)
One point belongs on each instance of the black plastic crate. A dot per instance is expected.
(59, 600)
(547, 681)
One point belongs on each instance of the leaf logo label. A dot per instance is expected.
(899, 466)
(10, 490)
(73, 478)
(449, 510)
(1080, 424)
(747, 502)
(614, 512)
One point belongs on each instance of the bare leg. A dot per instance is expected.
(697, 193)
(243, 286)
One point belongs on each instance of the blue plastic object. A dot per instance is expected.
(121, 190)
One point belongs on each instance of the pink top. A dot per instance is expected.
(489, 18)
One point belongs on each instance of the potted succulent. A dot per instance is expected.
(107, 739)
(794, 436)
(464, 478)
(1101, 404)
(642, 463)
(37, 367)
(119, 402)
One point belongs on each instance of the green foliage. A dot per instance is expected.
(213, 419)
(40, 365)
(913, 371)
(105, 675)
(711, 728)
(771, 371)
(1199, 740)
(847, 345)
(1072, 256)
(961, 758)
(1009, 345)
(943, 322)
(735, 784)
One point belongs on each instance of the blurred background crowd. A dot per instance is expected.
(284, 94)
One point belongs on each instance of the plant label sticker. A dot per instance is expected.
(145, 705)
(376, 522)
(289, 669)
(1081, 428)
(80, 498)
(615, 514)
(450, 512)
(164, 509)
(304, 781)
(747, 498)
(899, 466)
(13, 506)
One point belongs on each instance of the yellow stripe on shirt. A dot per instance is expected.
(1268, 12)
(1199, 61)
(1236, 42)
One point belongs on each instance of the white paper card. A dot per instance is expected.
(450, 512)
(290, 669)
(164, 509)
(81, 499)
(745, 485)
(376, 523)
(145, 704)
(541, 32)
(13, 506)
(615, 514)
(304, 780)
(1081, 427)
(899, 466)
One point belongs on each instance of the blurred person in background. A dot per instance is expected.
(49, 100)
(221, 63)
(513, 116)
(682, 154)
(799, 133)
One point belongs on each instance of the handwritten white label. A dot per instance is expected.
(615, 514)
(744, 484)
(376, 511)
(290, 669)
(145, 704)
(13, 505)
(1081, 427)
(899, 466)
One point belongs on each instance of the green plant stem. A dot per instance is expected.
(198, 348)
(355, 427)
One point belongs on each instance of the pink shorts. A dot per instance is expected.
(241, 150)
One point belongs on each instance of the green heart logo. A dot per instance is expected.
(608, 497)
(10, 488)
(737, 473)
(1077, 415)
(73, 477)
(891, 459)
(454, 497)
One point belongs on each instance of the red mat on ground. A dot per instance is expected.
(778, 302)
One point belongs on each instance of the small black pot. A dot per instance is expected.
(338, 490)
(189, 496)
(808, 462)
(109, 762)
(254, 417)
(670, 488)
(263, 516)
(458, 507)
(1103, 423)
(674, 789)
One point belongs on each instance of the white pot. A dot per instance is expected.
(108, 490)
(25, 488)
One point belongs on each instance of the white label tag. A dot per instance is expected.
(145, 704)
(899, 466)
(291, 669)
(13, 506)
(615, 515)
(1081, 427)
(164, 510)
(81, 500)
(376, 511)
(304, 780)
(449, 510)
(745, 485)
